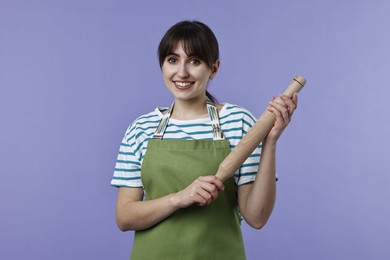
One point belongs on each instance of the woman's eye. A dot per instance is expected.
(171, 60)
(195, 62)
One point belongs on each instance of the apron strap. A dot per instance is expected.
(214, 118)
(159, 133)
(213, 115)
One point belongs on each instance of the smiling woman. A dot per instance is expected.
(189, 36)
(165, 171)
(186, 75)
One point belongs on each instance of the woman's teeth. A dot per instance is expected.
(183, 84)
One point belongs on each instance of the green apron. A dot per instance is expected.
(196, 233)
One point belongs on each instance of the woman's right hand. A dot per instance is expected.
(202, 192)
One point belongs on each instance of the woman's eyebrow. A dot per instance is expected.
(191, 55)
(173, 54)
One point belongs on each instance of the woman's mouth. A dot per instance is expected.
(183, 85)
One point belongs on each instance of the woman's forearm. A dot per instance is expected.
(133, 213)
(139, 215)
(258, 199)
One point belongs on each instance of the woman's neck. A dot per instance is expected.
(187, 110)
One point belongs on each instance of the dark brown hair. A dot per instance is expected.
(197, 39)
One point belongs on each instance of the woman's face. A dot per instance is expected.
(186, 76)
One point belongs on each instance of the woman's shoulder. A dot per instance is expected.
(232, 110)
(145, 121)
(150, 117)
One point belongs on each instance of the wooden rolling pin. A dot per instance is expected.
(255, 135)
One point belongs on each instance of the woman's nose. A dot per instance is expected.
(182, 71)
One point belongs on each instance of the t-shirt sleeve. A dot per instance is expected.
(127, 171)
(248, 170)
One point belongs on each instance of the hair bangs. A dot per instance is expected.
(194, 43)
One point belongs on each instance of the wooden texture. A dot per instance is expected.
(255, 135)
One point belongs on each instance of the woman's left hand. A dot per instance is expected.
(283, 116)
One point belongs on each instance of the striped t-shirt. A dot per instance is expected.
(235, 123)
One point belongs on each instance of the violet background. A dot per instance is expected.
(74, 74)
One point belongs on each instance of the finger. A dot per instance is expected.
(199, 200)
(199, 195)
(204, 196)
(291, 106)
(210, 188)
(213, 180)
(295, 99)
(205, 189)
(279, 111)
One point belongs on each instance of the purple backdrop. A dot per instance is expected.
(74, 74)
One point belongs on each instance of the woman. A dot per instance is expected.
(166, 164)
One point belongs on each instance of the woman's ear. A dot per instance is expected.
(214, 69)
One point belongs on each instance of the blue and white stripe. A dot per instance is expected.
(235, 123)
